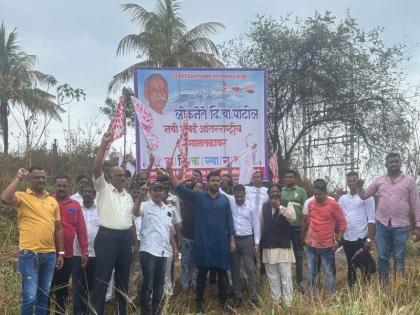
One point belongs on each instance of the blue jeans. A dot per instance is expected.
(37, 271)
(327, 261)
(189, 270)
(390, 240)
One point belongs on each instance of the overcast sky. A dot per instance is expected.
(76, 40)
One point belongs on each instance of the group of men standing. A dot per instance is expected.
(224, 229)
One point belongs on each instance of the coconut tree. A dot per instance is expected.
(20, 83)
(164, 40)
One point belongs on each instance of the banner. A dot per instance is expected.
(224, 111)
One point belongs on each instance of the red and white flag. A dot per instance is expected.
(145, 119)
(183, 146)
(117, 123)
(274, 166)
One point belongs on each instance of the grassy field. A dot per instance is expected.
(401, 296)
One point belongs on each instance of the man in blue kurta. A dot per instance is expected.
(213, 236)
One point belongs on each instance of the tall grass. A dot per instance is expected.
(401, 297)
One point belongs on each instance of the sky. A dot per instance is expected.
(76, 40)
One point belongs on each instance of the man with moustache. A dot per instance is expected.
(83, 274)
(246, 221)
(40, 236)
(73, 224)
(397, 197)
(213, 235)
(156, 95)
(323, 219)
(113, 241)
(297, 196)
(360, 217)
(157, 243)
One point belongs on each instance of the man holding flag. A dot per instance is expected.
(113, 241)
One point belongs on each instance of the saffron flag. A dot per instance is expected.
(117, 123)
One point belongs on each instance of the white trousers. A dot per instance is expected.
(280, 279)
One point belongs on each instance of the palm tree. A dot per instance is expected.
(164, 40)
(19, 82)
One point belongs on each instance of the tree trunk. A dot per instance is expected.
(4, 124)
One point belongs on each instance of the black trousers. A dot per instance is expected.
(364, 261)
(298, 251)
(153, 269)
(82, 284)
(113, 250)
(222, 282)
(60, 287)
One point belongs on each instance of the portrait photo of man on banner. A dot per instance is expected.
(223, 112)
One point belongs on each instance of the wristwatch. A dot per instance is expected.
(368, 240)
(61, 253)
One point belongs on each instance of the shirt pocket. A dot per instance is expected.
(72, 215)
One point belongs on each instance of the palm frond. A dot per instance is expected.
(200, 59)
(43, 78)
(202, 44)
(203, 30)
(37, 100)
(124, 76)
(132, 42)
(138, 14)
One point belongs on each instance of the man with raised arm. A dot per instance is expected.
(113, 241)
(397, 198)
(360, 217)
(213, 235)
(40, 237)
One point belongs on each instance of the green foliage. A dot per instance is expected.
(332, 72)
(110, 106)
(19, 83)
(164, 40)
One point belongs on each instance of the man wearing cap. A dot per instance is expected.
(113, 241)
(157, 244)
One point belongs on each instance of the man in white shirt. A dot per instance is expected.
(138, 189)
(246, 222)
(83, 277)
(360, 217)
(257, 194)
(113, 241)
(173, 203)
(80, 181)
(157, 243)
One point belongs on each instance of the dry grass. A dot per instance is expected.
(401, 296)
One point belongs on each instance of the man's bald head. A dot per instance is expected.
(118, 178)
